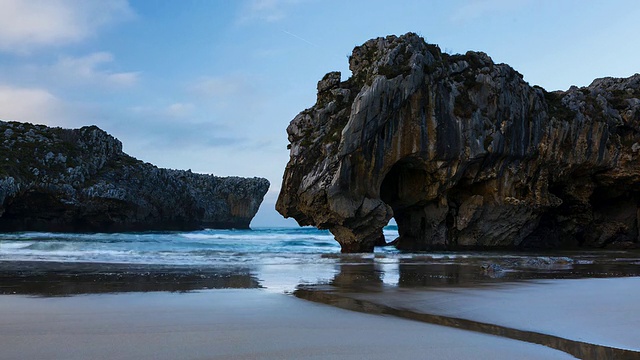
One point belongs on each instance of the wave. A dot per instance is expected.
(258, 246)
(7, 245)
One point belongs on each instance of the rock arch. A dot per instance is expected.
(463, 153)
(405, 188)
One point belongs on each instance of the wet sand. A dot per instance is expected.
(598, 311)
(229, 324)
(588, 318)
(579, 304)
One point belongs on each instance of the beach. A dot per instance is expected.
(229, 324)
(288, 294)
(55, 315)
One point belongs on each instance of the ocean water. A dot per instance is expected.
(278, 259)
(260, 246)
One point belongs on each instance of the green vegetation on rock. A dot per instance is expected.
(54, 179)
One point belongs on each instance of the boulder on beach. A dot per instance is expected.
(463, 154)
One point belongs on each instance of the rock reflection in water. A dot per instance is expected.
(480, 269)
(418, 275)
(362, 286)
(362, 276)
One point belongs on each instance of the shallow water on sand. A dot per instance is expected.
(308, 262)
(277, 259)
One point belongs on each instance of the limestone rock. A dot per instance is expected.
(463, 153)
(54, 179)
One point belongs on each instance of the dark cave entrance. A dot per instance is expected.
(405, 188)
(35, 210)
(589, 216)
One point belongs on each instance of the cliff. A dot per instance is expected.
(463, 153)
(54, 179)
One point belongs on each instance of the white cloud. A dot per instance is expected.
(30, 105)
(266, 10)
(27, 25)
(87, 69)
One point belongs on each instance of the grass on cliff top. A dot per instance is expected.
(26, 148)
(556, 108)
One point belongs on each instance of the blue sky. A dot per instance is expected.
(211, 85)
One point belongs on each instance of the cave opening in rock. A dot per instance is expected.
(616, 216)
(405, 188)
(588, 217)
(34, 208)
(390, 233)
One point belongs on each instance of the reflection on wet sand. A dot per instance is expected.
(478, 269)
(364, 276)
(66, 279)
(496, 268)
(364, 286)
(387, 283)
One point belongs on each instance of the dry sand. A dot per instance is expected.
(229, 324)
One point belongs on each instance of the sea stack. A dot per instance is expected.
(80, 180)
(464, 154)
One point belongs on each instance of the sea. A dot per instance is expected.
(275, 259)
(260, 246)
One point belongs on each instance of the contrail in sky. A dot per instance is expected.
(299, 38)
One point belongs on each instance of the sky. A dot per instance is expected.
(211, 85)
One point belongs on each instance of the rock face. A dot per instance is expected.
(463, 153)
(54, 179)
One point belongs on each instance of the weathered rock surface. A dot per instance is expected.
(54, 179)
(463, 153)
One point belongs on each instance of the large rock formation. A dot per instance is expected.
(54, 179)
(463, 153)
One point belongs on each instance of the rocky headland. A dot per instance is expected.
(464, 154)
(80, 180)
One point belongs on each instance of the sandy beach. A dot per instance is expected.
(588, 318)
(584, 306)
(596, 311)
(229, 324)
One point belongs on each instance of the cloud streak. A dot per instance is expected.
(299, 38)
(89, 69)
(30, 25)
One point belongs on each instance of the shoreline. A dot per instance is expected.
(96, 306)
